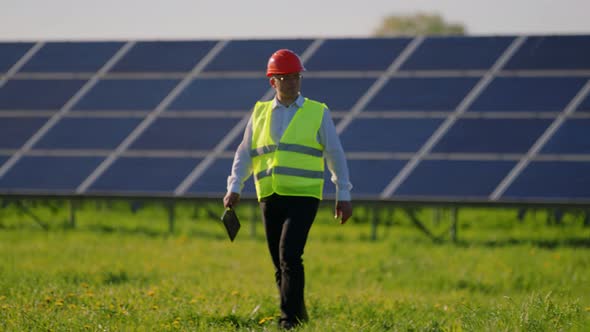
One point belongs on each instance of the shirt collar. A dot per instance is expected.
(299, 102)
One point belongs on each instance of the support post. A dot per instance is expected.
(454, 220)
(388, 220)
(171, 216)
(28, 212)
(436, 215)
(412, 215)
(73, 206)
(374, 223)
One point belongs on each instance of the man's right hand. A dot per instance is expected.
(343, 211)
(231, 199)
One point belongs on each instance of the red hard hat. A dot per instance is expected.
(284, 61)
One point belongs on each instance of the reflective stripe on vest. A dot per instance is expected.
(290, 171)
(286, 147)
(294, 166)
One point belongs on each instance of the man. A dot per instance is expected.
(284, 146)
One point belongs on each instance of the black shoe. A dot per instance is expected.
(287, 325)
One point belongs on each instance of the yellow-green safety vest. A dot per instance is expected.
(294, 166)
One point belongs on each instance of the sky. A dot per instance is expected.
(26, 20)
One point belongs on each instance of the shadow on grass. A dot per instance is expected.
(233, 321)
(155, 233)
(109, 229)
(574, 242)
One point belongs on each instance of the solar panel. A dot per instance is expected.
(368, 176)
(532, 94)
(585, 105)
(356, 54)
(49, 94)
(252, 55)
(163, 56)
(45, 174)
(227, 94)
(340, 94)
(457, 53)
(184, 134)
(144, 175)
(452, 119)
(552, 180)
(10, 53)
(572, 137)
(214, 181)
(126, 94)
(422, 94)
(492, 136)
(388, 135)
(71, 57)
(87, 133)
(14, 131)
(466, 179)
(552, 52)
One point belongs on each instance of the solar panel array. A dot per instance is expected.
(494, 119)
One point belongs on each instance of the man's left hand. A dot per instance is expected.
(343, 211)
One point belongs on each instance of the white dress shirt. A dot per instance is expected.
(281, 117)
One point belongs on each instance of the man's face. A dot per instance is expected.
(287, 85)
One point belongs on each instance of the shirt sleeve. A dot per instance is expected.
(335, 158)
(242, 165)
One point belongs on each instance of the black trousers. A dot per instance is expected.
(287, 221)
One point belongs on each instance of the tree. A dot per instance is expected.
(417, 24)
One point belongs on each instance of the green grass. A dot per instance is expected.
(118, 271)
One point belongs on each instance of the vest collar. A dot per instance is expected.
(299, 102)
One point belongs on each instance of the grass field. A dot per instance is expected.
(118, 271)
